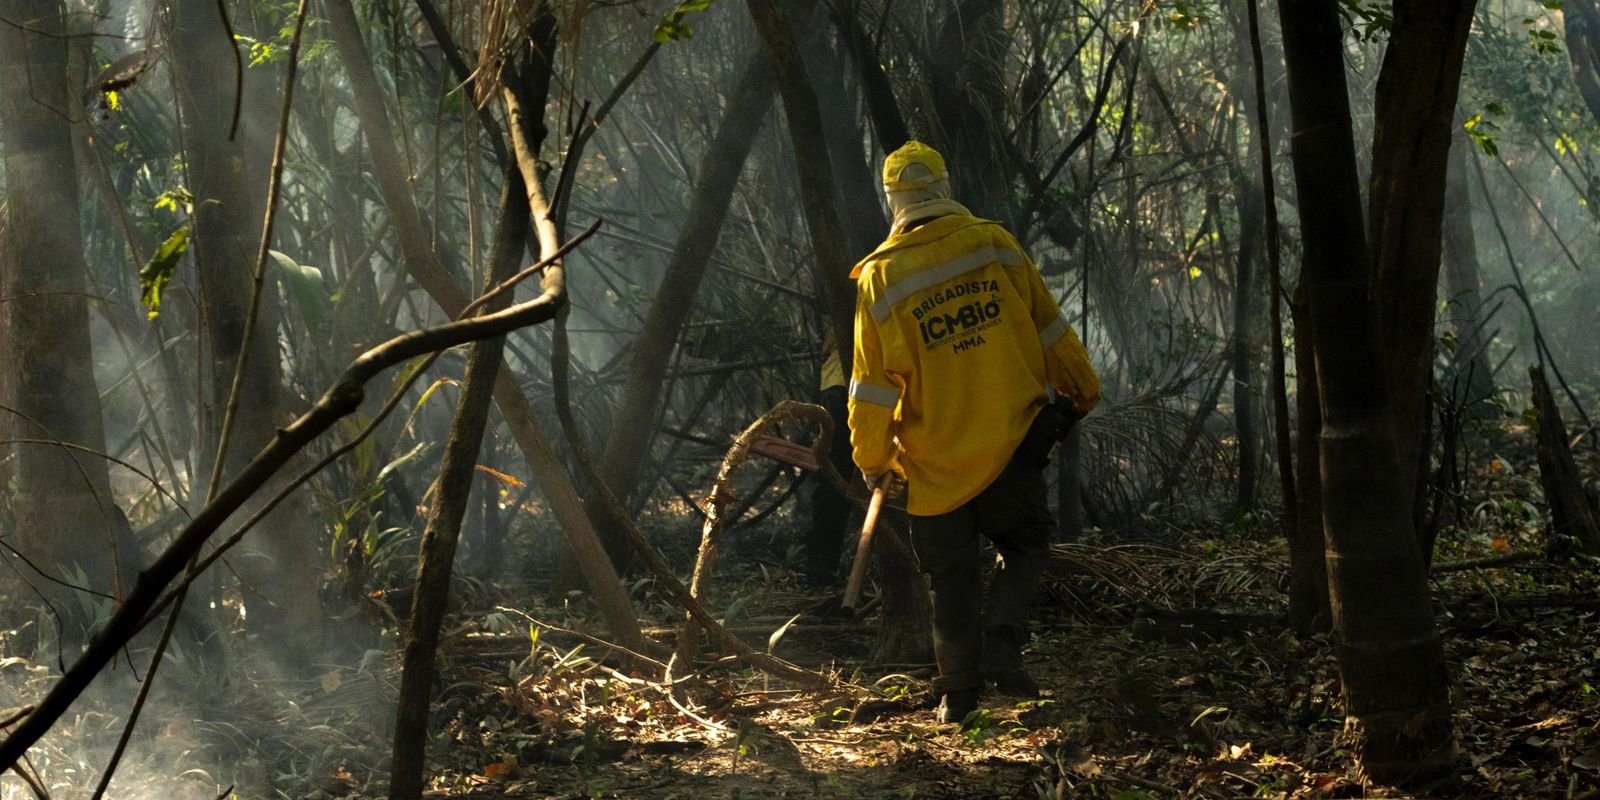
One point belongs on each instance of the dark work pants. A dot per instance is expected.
(829, 509)
(1013, 515)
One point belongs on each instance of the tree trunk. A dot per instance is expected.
(647, 364)
(903, 629)
(1464, 290)
(1309, 611)
(1391, 661)
(1242, 350)
(63, 511)
(966, 78)
(1572, 511)
(228, 173)
(818, 195)
(456, 471)
(1303, 605)
(1581, 21)
(852, 174)
(882, 107)
(424, 266)
(1415, 109)
(8, 375)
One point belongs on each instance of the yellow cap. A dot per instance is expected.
(912, 153)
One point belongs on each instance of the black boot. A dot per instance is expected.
(954, 706)
(1002, 662)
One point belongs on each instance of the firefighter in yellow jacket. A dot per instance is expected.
(957, 344)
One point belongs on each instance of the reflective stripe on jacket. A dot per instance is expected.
(956, 337)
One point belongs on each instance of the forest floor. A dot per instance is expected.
(1137, 704)
(1166, 667)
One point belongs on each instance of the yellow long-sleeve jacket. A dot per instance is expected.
(956, 338)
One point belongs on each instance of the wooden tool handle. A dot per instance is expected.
(858, 568)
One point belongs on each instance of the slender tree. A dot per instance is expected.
(1464, 287)
(435, 563)
(905, 632)
(647, 363)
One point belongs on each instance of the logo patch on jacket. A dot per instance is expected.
(941, 323)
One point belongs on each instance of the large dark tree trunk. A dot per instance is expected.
(228, 173)
(1415, 109)
(63, 509)
(1397, 698)
(649, 359)
(439, 538)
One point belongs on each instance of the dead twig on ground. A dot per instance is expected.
(15, 715)
(596, 641)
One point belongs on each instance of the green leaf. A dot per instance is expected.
(671, 28)
(305, 286)
(154, 275)
(402, 460)
(173, 199)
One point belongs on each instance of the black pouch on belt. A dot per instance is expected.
(1051, 425)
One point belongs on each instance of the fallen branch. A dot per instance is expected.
(764, 630)
(1491, 562)
(1534, 602)
(717, 517)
